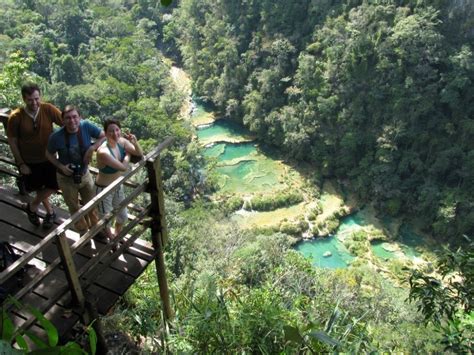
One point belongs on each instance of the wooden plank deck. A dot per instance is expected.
(107, 285)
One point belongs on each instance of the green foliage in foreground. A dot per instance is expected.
(236, 291)
(11, 334)
(448, 302)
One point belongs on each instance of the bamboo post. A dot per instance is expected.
(70, 270)
(158, 231)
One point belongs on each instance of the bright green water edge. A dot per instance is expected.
(200, 110)
(340, 258)
(242, 168)
(221, 128)
(380, 252)
(409, 241)
(249, 171)
(225, 152)
(315, 250)
(249, 176)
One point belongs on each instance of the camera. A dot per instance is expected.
(76, 173)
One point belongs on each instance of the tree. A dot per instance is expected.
(66, 68)
(14, 74)
(447, 301)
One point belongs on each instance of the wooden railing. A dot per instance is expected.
(10, 168)
(150, 215)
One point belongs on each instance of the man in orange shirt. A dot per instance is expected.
(28, 131)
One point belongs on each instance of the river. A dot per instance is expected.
(247, 169)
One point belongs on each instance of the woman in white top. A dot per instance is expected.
(113, 158)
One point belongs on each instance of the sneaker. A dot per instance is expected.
(48, 220)
(32, 216)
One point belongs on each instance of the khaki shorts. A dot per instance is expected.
(112, 202)
(71, 193)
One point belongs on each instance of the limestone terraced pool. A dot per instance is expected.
(340, 257)
(242, 168)
(245, 170)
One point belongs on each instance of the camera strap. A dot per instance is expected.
(79, 140)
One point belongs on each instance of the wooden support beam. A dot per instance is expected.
(93, 315)
(152, 216)
(70, 270)
(159, 231)
(17, 265)
(155, 187)
(161, 274)
(104, 257)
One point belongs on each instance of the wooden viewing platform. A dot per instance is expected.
(69, 277)
(112, 280)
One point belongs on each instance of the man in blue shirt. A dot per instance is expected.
(70, 150)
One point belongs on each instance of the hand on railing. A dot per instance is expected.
(24, 169)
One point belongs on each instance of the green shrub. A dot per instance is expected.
(393, 206)
(290, 228)
(315, 211)
(315, 230)
(359, 236)
(266, 230)
(341, 212)
(247, 205)
(303, 225)
(398, 267)
(358, 248)
(312, 215)
(233, 204)
(332, 224)
(273, 202)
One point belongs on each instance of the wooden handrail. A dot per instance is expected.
(7, 160)
(9, 172)
(150, 217)
(25, 258)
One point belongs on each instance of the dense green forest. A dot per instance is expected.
(375, 94)
(104, 58)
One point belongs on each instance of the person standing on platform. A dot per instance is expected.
(28, 130)
(70, 150)
(113, 158)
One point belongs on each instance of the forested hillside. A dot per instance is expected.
(102, 56)
(375, 93)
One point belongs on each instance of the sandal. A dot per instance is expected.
(32, 216)
(101, 236)
(48, 220)
(114, 248)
